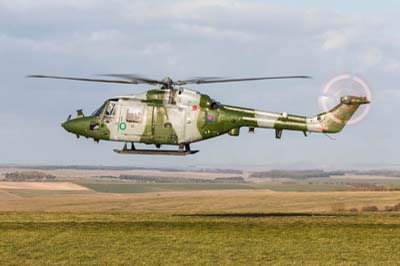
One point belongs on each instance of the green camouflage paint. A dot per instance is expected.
(90, 127)
(181, 116)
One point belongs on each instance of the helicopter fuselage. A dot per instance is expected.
(161, 116)
(182, 116)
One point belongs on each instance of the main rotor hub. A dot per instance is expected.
(168, 81)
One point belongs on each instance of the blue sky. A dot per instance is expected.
(197, 38)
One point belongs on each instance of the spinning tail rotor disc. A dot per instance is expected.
(344, 85)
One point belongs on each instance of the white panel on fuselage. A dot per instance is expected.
(132, 120)
(189, 101)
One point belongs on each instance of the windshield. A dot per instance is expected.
(99, 111)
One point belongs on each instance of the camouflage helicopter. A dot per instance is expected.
(173, 115)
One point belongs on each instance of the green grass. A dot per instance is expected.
(128, 187)
(309, 185)
(202, 239)
(303, 186)
(133, 187)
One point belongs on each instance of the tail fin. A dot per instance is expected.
(335, 120)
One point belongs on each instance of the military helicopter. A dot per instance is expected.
(174, 115)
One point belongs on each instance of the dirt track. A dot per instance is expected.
(73, 174)
(42, 186)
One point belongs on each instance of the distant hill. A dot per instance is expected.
(29, 176)
(296, 174)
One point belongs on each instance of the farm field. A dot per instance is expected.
(196, 224)
(133, 187)
(188, 201)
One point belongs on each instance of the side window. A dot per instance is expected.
(110, 111)
(134, 116)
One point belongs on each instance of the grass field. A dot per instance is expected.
(199, 239)
(192, 201)
(133, 187)
(210, 227)
(310, 185)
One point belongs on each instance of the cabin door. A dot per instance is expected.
(133, 121)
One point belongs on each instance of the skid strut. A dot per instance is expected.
(183, 151)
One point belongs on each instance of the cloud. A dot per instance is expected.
(201, 31)
(90, 44)
(334, 40)
(267, 36)
(371, 57)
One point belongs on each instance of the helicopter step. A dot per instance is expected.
(180, 152)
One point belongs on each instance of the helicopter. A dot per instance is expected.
(173, 115)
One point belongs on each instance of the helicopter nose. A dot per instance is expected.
(69, 126)
(89, 127)
(79, 126)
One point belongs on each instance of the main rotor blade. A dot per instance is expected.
(131, 77)
(87, 79)
(203, 78)
(201, 81)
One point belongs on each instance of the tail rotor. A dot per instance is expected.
(341, 86)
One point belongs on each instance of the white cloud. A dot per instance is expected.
(164, 28)
(25, 7)
(371, 57)
(202, 31)
(92, 44)
(334, 40)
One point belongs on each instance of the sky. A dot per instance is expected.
(183, 39)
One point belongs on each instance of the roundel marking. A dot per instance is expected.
(122, 126)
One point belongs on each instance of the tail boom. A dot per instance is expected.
(332, 121)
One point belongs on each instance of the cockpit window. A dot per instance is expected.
(99, 111)
(110, 110)
(109, 107)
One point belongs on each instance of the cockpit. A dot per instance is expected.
(108, 109)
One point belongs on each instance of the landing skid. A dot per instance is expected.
(133, 150)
